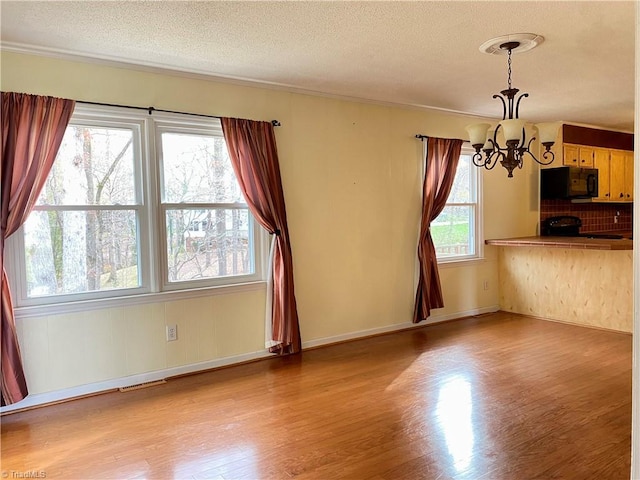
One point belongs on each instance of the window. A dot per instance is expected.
(206, 218)
(456, 231)
(135, 205)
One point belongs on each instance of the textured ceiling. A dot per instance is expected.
(422, 53)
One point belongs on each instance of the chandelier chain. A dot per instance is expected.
(509, 63)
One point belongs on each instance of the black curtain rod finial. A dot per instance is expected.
(421, 137)
(276, 123)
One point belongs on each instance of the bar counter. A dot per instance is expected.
(585, 281)
(582, 243)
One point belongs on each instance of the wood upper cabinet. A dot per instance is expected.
(570, 155)
(586, 155)
(628, 176)
(615, 175)
(617, 182)
(577, 156)
(602, 163)
(608, 151)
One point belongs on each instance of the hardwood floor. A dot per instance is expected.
(497, 397)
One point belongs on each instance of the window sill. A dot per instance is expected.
(460, 262)
(169, 296)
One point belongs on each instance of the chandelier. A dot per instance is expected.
(484, 139)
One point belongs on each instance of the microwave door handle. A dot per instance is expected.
(591, 184)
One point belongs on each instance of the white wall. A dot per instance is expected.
(635, 416)
(351, 180)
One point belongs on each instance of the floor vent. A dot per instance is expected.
(142, 385)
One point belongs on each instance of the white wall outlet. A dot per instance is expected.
(172, 333)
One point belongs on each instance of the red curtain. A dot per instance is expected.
(252, 148)
(32, 131)
(441, 164)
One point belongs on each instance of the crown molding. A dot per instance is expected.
(197, 74)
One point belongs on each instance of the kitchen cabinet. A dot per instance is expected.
(608, 151)
(628, 176)
(602, 162)
(576, 146)
(615, 175)
(577, 155)
(616, 181)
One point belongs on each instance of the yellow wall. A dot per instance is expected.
(350, 174)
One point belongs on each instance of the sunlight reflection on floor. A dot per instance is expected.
(453, 412)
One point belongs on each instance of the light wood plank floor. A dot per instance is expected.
(497, 397)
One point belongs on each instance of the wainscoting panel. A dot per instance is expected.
(585, 287)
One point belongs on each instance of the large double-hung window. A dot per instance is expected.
(135, 205)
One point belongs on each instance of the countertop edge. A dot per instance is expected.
(563, 242)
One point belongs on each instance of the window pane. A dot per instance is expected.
(80, 251)
(197, 168)
(94, 166)
(452, 231)
(208, 243)
(461, 191)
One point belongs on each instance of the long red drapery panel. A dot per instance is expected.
(252, 148)
(32, 131)
(441, 164)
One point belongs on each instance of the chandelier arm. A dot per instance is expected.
(547, 154)
(477, 160)
(496, 149)
(504, 105)
(518, 104)
(544, 155)
(528, 144)
(489, 163)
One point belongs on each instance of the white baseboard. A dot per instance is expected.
(397, 327)
(98, 387)
(107, 385)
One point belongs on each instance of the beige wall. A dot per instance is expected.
(350, 174)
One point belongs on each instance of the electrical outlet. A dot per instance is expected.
(172, 333)
(485, 285)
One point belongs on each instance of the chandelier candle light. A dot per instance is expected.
(485, 139)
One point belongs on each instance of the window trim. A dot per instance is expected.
(154, 284)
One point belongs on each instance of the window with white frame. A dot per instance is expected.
(456, 231)
(133, 205)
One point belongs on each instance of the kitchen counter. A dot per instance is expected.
(585, 281)
(582, 243)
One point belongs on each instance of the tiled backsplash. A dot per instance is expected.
(596, 217)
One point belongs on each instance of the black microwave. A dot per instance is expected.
(568, 182)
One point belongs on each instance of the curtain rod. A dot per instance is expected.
(422, 137)
(275, 123)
